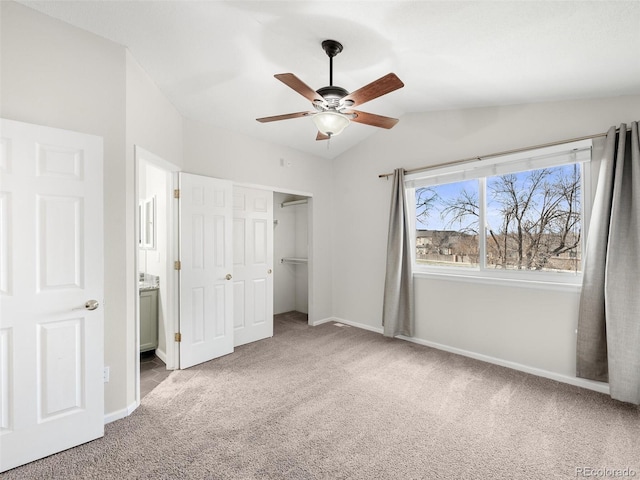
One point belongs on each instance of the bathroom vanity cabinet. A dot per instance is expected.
(148, 319)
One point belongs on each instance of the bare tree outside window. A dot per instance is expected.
(533, 221)
(446, 232)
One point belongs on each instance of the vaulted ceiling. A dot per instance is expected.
(215, 60)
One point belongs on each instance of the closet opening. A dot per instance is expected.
(291, 257)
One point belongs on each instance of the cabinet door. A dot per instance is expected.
(148, 320)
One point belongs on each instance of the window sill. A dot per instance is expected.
(573, 286)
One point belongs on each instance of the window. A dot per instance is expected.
(447, 224)
(518, 217)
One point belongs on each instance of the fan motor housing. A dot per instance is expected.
(332, 94)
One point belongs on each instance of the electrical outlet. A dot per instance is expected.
(105, 374)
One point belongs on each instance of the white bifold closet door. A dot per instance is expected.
(252, 264)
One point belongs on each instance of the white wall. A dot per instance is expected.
(152, 123)
(224, 154)
(57, 75)
(530, 327)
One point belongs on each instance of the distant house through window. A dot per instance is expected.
(522, 213)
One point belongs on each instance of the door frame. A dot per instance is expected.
(171, 277)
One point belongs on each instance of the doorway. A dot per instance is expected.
(291, 257)
(156, 314)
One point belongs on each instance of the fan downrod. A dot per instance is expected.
(332, 48)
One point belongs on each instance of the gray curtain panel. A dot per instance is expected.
(397, 314)
(608, 346)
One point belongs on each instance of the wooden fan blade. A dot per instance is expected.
(382, 86)
(290, 80)
(322, 136)
(372, 119)
(286, 116)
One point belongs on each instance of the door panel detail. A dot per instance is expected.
(197, 318)
(238, 304)
(61, 386)
(59, 237)
(59, 162)
(6, 380)
(5, 155)
(6, 276)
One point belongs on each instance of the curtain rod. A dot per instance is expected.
(498, 154)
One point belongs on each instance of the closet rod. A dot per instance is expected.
(293, 202)
(498, 154)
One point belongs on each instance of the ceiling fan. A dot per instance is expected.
(332, 105)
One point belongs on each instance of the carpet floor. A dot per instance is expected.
(337, 402)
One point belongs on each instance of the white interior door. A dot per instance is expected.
(252, 264)
(51, 265)
(206, 290)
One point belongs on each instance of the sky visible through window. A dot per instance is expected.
(532, 220)
(448, 193)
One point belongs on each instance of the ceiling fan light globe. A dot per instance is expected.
(330, 123)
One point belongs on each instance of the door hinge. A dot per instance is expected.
(176, 193)
(178, 337)
(177, 265)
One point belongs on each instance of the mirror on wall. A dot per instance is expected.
(147, 231)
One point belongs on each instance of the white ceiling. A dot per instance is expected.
(215, 60)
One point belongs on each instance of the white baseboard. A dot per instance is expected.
(315, 323)
(122, 413)
(559, 377)
(162, 355)
(359, 325)
(347, 322)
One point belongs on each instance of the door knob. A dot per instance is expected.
(91, 304)
(228, 276)
(269, 271)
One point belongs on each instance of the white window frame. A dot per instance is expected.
(557, 155)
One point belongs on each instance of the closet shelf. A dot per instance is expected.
(293, 260)
(304, 201)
